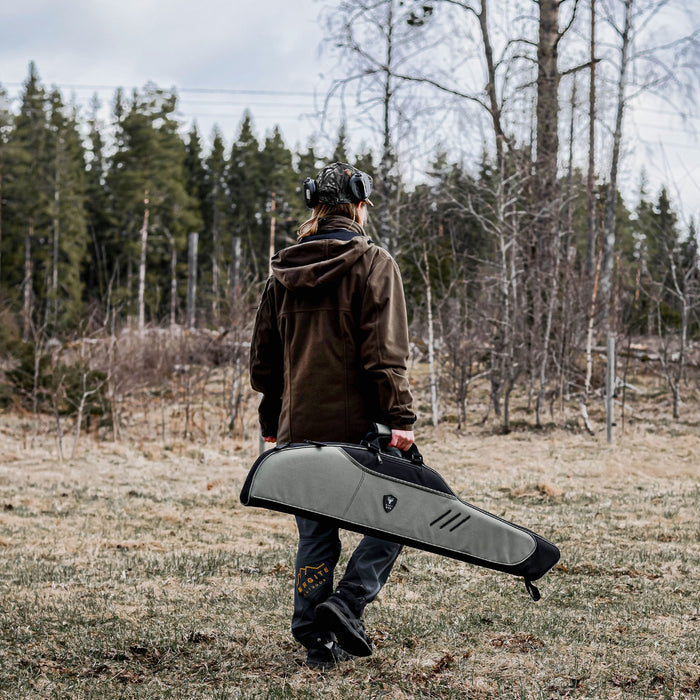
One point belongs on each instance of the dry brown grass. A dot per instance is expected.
(133, 571)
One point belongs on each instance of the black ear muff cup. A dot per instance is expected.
(310, 193)
(360, 186)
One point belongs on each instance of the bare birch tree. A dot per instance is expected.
(676, 299)
(650, 63)
(433, 373)
(611, 200)
(376, 42)
(590, 177)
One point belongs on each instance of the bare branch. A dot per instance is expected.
(571, 20)
(582, 66)
(442, 88)
(463, 5)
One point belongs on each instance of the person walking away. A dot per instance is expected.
(329, 355)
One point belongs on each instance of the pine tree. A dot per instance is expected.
(66, 168)
(657, 225)
(280, 181)
(153, 212)
(308, 162)
(194, 164)
(196, 175)
(26, 188)
(247, 207)
(5, 126)
(365, 162)
(216, 207)
(117, 248)
(340, 153)
(661, 238)
(97, 272)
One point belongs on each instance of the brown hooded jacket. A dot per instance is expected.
(330, 346)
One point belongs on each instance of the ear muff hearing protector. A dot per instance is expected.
(360, 186)
(357, 188)
(310, 193)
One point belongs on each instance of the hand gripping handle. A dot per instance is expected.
(378, 439)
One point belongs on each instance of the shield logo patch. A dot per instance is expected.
(389, 503)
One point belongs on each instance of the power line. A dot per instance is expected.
(245, 104)
(222, 91)
(275, 93)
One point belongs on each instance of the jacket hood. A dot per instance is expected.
(319, 261)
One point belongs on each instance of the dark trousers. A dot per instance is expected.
(317, 556)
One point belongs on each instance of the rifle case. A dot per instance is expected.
(398, 498)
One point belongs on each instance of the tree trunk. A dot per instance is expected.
(142, 265)
(235, 276)
(589, 334)
(683, 295)
(547, 334)
(503, 340)
(506, 408)
(494, 108)
(590, 179)
(570, 182)
(678, 376)
(387, 236)
(547, 121)
(431, 340)
(544, 250)
(611, 199)
(54, 258)
(215, 259)
(27, 284)
(193, 242)
(173, 282)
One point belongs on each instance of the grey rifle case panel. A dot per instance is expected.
(363, 489)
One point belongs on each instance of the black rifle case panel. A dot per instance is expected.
(361, 489)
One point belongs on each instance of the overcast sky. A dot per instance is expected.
(262, 55)
(269, 45)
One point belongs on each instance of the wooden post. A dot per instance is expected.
(193, 241)
(610, 389)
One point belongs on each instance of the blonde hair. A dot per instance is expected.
(310, 226)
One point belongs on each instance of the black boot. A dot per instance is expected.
(335, 615)
(326, 656)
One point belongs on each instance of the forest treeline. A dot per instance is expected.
(500, 277)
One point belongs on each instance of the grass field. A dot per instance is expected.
(132, 571)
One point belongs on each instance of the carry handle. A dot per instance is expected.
(378, 440)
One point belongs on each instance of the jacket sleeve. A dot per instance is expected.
(384, 342)
(266, 363)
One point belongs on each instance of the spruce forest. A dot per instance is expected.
(517, 265)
